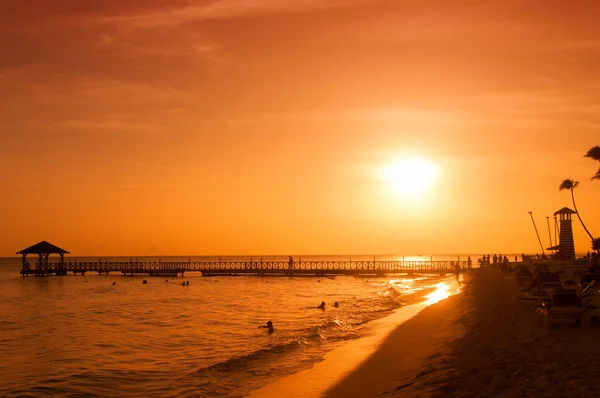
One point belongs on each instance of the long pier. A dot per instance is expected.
(260, 268)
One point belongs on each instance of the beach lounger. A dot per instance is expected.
(561, 306)
(546, 281)
(590, 300)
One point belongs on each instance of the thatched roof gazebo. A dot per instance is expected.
(42, 266)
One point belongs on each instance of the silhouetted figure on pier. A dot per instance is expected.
(291, 263)
(269, 326)
(321, 306)
(457, 271)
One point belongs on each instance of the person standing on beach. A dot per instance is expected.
(469, 262)
(457, 270)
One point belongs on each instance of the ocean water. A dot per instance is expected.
(83, 336)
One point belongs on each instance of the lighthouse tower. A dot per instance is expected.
(566, 246)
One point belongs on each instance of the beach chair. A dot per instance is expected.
(546, 281)
(586, 279)
(561, 306)
(523, 277)
(590, 300)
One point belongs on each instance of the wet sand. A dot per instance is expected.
(483, 342)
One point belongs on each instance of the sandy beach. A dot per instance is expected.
(484, 341)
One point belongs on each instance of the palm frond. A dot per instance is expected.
(593, 153)
(568, 184)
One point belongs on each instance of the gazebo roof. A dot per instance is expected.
(43, 247)
(565, 210)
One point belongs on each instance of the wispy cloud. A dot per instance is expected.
(162, 42)
(92, 91)
(109, 126)
(579, 45)
(224, 9)
(376, 114)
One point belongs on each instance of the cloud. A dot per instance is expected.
(109, 126)
(92, 91)
(162, 42)
(377, 114)
(223, 9)
(580, 45)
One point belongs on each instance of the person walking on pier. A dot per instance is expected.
(291, 263)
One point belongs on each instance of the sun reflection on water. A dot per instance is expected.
(440, 293)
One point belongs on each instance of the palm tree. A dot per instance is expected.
(594, 153)
(571, 185)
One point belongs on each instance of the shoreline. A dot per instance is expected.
(343, 369)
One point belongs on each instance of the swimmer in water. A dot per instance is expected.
(336, 304)
(322, 306)
(269, 326)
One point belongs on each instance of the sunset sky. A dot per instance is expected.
(266, 126)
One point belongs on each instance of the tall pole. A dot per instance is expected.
(549, 233)
(536, 232)
(555, 230)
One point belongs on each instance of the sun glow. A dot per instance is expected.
(410, 176)
(440, 293)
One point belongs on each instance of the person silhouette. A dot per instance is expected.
(321, 306)
(269, 326)
(336, 304)
(457, 271)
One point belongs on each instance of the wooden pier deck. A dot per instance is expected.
(232, 268)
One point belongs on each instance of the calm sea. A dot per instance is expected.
(83, 336)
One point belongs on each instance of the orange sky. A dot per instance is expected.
(258, 127)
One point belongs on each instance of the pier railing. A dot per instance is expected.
(211, 268)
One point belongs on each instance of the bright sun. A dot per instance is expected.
(409, 176)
